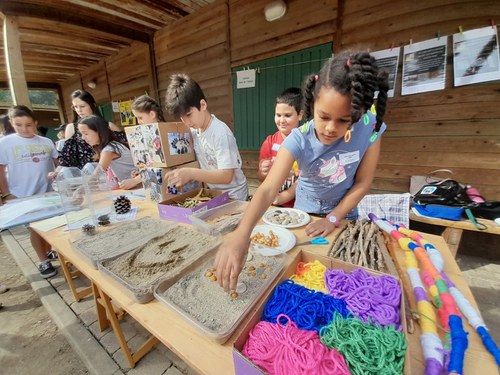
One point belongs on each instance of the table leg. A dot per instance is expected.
(113, 316)
(452, 236)
(69, 275)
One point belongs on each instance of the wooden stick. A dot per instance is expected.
(408, 289)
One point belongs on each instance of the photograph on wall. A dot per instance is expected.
(424, 66)
(180, 143)
(475, 56)
(388, 61)
(126, 116)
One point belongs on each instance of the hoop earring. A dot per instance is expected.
(347, 136)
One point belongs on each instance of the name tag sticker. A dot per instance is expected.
(349, 158)
(276, 147)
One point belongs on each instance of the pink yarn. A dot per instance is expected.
(285, 349)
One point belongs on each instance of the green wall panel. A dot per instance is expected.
(254, 107)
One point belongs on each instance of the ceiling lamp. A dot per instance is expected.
(274, 10)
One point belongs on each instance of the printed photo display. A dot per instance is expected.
(475, 56)
(388, 60)
(179, 143)
(145, 145)
(424, 66)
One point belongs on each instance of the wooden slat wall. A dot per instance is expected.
(306, 24)
(198, 45)
(457, 128)
(130, 74)
(123, 76)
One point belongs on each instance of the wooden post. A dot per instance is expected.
(14, 62)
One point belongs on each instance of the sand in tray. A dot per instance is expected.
(122, 238)
(161, 256)
(206, 303)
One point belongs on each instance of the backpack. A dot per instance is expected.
(446, 193)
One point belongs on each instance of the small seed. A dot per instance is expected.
(263, 276)
(234, 295)
(261, 264)
(208, 274)
(213, 278)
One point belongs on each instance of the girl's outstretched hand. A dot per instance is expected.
(321, 227)
(229, 261)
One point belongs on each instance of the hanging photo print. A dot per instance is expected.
(476, 56)
(126, 115)
(388, 61)
(424, 66)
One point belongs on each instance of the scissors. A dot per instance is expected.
(315, 241)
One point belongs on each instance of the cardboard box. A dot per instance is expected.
(157, 191)
(168, 192)
(160, 145)
(243, 366)
(169, 210)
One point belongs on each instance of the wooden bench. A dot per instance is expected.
(454, 229)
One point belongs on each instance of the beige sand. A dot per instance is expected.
(209, 307)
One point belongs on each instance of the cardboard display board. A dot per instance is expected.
(161, 145)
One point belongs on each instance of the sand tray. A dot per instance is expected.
(204, 304)
(120, 239)
(163, 257)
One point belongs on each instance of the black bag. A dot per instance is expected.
(447, 193)
(485, 210)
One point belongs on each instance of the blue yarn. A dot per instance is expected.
(489, 344)
(459, 345)
(308, 309)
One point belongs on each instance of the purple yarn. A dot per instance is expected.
(371, 298)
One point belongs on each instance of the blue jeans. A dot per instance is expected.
(306, 202)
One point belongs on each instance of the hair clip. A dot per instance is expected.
(316, 77)
(348, 62)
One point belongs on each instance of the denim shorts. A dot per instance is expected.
(306, 202)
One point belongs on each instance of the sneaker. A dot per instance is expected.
(46, 269)
(52, 255)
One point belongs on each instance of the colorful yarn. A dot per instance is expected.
(449, 311)
(311, 275)
(367, 349)
(285, 349)
(308, 309)
(371, 298)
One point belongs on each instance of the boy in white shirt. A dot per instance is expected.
(214, 143)
(29, 158)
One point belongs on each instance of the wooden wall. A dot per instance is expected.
(198, 45)
(122, 76)
(456, 128)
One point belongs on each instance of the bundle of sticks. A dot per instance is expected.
(362, 243)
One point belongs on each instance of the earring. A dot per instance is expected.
(347, 136)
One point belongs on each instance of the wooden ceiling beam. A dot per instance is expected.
(54, 13)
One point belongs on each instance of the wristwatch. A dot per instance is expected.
(333, 219)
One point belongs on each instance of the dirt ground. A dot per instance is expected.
(30, 342)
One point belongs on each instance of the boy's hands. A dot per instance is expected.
(230, 259)
(265, 166)
(179, 177)
(52, 175)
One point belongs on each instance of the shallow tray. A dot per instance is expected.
(219, 220)
(119, 239)
(206, 306)
(168, 262)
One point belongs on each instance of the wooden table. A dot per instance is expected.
(198, 351)
(454, 229)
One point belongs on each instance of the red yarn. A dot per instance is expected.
(285, 349)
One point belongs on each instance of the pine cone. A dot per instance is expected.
(88, 229)
(122, 204)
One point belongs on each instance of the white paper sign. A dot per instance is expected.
(388, 61)
(475, 56)
(245, 79)
(424, 66)
(116, 106)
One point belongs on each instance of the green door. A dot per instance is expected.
(254, 107)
